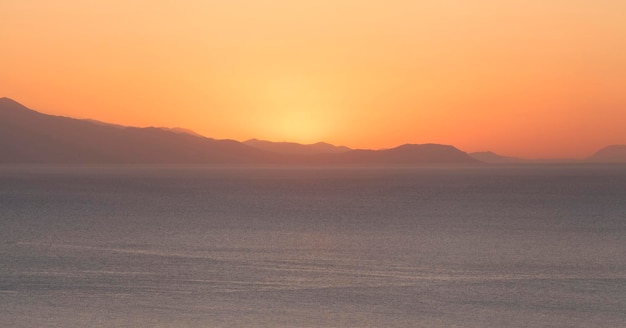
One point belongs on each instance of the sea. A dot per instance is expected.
(192, 246)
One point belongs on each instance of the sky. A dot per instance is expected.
(533, 78)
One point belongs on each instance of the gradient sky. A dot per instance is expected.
(533, 78)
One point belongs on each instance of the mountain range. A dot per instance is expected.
(28, 136)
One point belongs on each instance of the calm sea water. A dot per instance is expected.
(538, 246)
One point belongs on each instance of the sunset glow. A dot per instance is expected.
(537, 78)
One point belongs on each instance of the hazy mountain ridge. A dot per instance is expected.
(177, 129)
(296, 148)
(28, 136)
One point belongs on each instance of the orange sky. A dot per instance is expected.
(534, 78)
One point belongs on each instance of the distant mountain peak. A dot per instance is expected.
(14, 109)
(610, 154)
(321, 143)
(429, 153)
(11, 104)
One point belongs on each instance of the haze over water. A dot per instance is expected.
(313, 247)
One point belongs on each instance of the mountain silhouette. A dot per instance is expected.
(27, 136)
(296, 148)
(402, 155)
(609, 154)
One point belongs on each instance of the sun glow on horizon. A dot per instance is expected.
(537, 78)
(288, 106)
